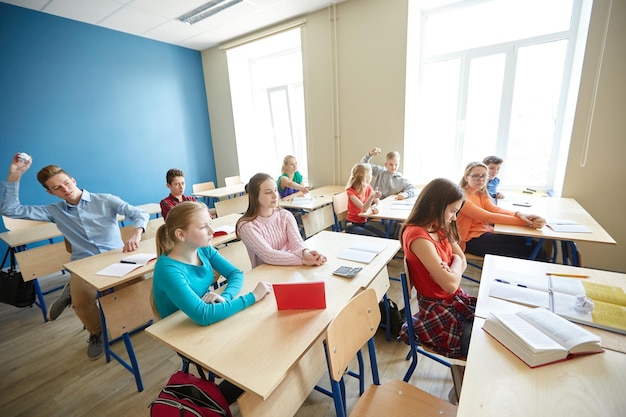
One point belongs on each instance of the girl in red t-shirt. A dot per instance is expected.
(361, 198)
(435, 263)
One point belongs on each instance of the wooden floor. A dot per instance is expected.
(45, 370)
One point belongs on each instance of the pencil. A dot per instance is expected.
(567, 275)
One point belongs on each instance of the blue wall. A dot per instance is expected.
(114, 110)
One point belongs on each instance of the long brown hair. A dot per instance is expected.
(178, 218)
(253, 188)
(431, 205)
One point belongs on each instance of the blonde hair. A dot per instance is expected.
(357, 177)
(179, 217)
(286, 161)
(468, 169)
(394, 155)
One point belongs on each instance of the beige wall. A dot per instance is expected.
(356, 101)
(599, 186)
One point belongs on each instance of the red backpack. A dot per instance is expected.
(187, 395)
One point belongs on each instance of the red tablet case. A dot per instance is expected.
(300, 295)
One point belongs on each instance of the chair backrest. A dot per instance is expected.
(234, 180)
(42, 260)
(17, 224)
(317, 220)
(237, 254)
(231, 205)
(354, 326)
(340, 206)
(152, 227)
(128, 308)
(202, 186)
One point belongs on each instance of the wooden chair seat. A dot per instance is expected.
(400, 399)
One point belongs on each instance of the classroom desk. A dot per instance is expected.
(556, 208)
(319, 197)
(391, 212)
(497, 383)
(501, 266)
(19, 237)
(150, 208)
(276, 357)
(222, 192)
(551, 208)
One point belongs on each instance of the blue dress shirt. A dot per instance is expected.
(90, 226)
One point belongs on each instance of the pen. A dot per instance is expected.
(128, 262)
(567, 275)
(507, 282)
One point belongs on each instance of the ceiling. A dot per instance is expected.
(157, 19)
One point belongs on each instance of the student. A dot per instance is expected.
(183, 274)
(361, 198)
(388, 180)
(430, 241)
(494, 163)
(290, 180)
(88, 222)
(476, 218)
(270, 233)
(175, 181)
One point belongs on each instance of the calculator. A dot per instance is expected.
(346, 271)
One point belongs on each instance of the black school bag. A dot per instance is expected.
(14, 291)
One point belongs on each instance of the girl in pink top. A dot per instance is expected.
(476, 218)
(270, 233)
(361, 199)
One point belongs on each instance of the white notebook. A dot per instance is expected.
(363, 251)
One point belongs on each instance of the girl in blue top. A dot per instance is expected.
(183, 274)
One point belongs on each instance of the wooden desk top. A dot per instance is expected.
(88, 267)
(391, 209)
(257, 347)
(319, 197)
(150, 208)
(555, 208)
(501, 266)
(497, 383)
(222, 192)
(30, 235)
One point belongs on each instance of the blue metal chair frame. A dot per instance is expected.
(413, 342)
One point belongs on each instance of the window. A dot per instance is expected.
(268, 103)
(494, 78)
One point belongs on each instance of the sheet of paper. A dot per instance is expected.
(117, 270)
(567, 226)
(139, 258)
(369, 246)
(525, 296)
(357, 255)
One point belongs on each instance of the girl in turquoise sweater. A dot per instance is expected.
(183, 274)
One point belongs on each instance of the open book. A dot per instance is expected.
(559, 295)
(363, 251)
(539, 337)
(567, 226)
(127, 264)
